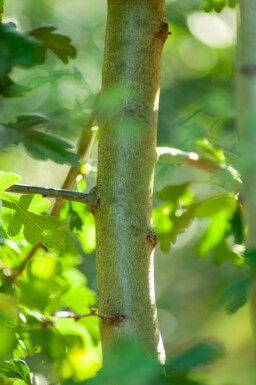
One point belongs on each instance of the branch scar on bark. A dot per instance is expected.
(151, 237)
(163, 31)
(248, 70)
(113, 319)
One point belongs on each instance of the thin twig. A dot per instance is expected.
(93, 313)
(191, 159)
(51, 193)
(18, 271)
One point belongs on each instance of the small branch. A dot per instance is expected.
(51, 193)
(111, 318)
(191, 159)
(51, 321)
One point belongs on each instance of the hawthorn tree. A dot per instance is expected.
(125, 112)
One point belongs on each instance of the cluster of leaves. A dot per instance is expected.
(38, 144)
(217, 5)
(27, 49)
(34, 292)
(223, 234)
(134, 366)
(179, 210)
(30, 326)
(25, 216)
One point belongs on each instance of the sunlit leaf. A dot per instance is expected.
(23, 213)
(212, 150)
(15, 369)
(7, 179)
(8, 316)
(219, 209)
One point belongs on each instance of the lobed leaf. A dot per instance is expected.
(15, 369)
(59, 44)
(7, 179)
(235, 294)
(39, 145)
(23, 214)
(18, 49)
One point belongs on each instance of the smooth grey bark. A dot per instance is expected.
(125, 240)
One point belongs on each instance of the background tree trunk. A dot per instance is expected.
(135, 34)
(246, 95)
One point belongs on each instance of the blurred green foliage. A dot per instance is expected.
(196, 214)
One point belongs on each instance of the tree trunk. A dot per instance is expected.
(125, 240)
(246, 95)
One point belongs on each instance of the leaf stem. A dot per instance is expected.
(192, 159)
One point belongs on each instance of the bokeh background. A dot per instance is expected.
(197, 106)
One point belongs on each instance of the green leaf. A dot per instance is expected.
(27, 121)
(212, 150)
(219, 209)
(222, 252)
(1, 7)
(213, 234)
(17, 49)
(9, 89)
(217, 5)
(173, 192)
(200, 354)
(237, 226)
(15, 369)
(217, 203)
(43, 146)
(233, 3)
(180, 380)
(23, 213)
(236, 293)
(59, 44)
(7, 179)
(129, 362)
(39, 145)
